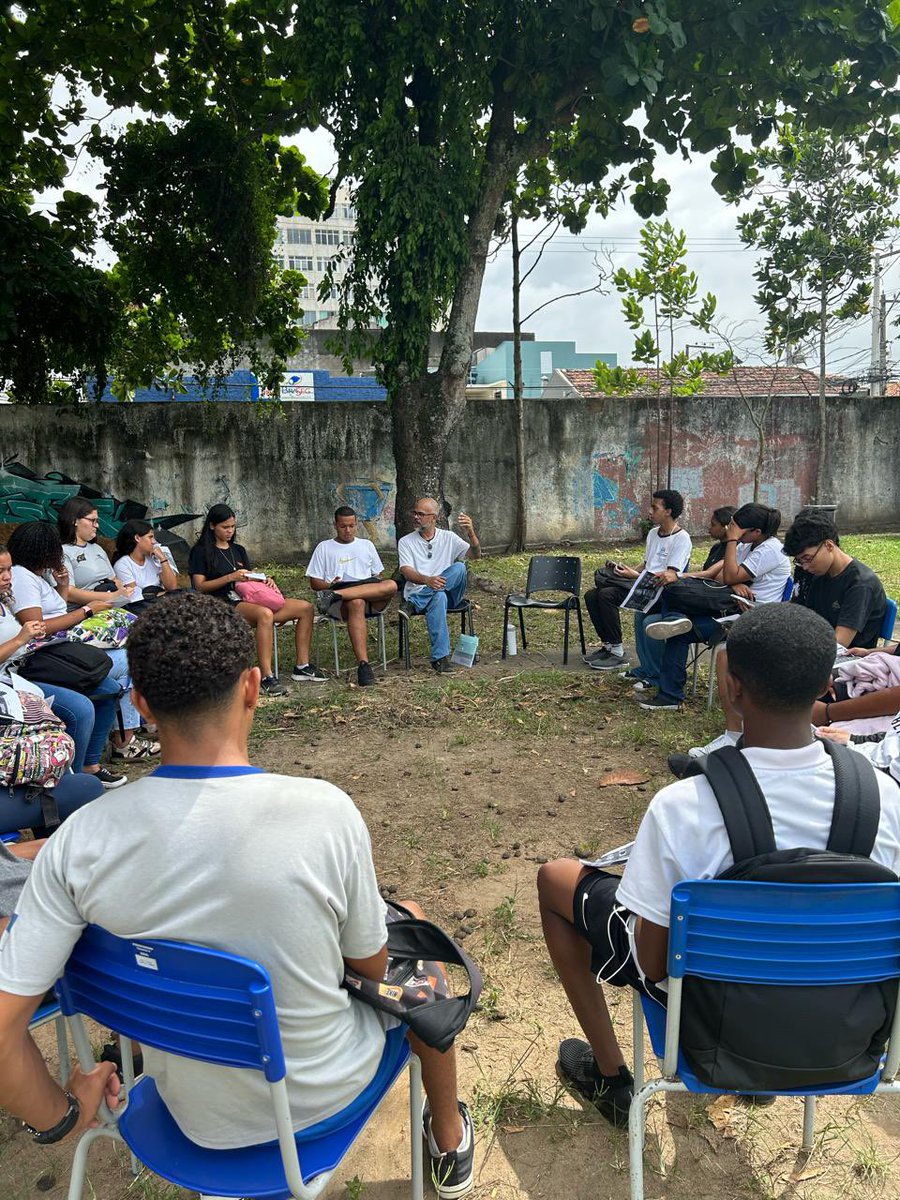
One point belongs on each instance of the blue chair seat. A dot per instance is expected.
(655, 1019)
(150, 1132)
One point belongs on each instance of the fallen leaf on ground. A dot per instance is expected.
(721, 1113)
(623, 778)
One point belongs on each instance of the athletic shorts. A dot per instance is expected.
(601, 921)
(334, 609)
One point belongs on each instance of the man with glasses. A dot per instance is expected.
(840, 588)
(436, 578)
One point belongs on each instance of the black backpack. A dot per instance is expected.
(822, 1035)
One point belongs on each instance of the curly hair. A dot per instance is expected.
(782, 654)
(36, 546)
(187, 653)
(127, 536)
(73, 510)
(673, 501)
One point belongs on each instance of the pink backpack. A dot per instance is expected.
(257, 591)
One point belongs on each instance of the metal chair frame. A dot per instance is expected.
(548, 573)
(466, 625)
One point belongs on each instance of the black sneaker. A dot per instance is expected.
(272, 687)
(610, 1094)
(608, 662)
(324, 601)
(365, 676)
(308, 674)
(443, 666)
(453, 1171)
(110, 779)
(661, 703)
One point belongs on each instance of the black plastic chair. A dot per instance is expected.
(404, 615)
(548, 573)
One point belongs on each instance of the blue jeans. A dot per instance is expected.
(131, 718)
(70, 794)
(649, 651)
(435, 604)
(88, 722)
(673, 672)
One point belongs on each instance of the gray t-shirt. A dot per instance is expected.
(87, 565)
(268, 867)
(14, 871)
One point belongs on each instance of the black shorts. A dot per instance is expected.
(601, 921)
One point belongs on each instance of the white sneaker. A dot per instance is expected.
(660, 630)
(724, 739)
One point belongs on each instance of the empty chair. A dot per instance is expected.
(549, 573)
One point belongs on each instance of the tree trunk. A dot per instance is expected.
(823, 411)
(518, 392)
(426, 409)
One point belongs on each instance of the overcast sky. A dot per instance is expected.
(724, 266)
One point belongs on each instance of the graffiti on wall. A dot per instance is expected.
(373, 502)
(711, 470)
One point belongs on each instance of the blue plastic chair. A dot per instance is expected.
(890, 618)
(208, 1005)
(767, 933)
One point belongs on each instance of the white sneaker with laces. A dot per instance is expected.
(724, 739)
(661, 630)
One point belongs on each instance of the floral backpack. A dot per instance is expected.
(35, 750)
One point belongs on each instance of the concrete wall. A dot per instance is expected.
(587, 463)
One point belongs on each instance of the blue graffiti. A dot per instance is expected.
(606, 490)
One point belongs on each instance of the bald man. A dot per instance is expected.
(431, 562)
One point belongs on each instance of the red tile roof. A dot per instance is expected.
(748, 381)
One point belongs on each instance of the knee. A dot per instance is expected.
(549, 877)
(355, 608)
(416, 909)
(266, 618)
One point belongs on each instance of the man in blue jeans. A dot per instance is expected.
(436, 578)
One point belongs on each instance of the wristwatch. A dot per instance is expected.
(88, 611)
(47, 1137)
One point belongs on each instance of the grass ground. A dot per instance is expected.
(467, 784)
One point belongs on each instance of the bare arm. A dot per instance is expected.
(468, 528)
(372, 967)
(653, 949)
(64, 620)
(202, 584)
(712, 572)
(883, 703)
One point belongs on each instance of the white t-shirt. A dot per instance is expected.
(769, 567)
(268, 867)
(682, 834)
(35, 591)
(446, 548)
(350, 560)
(9, 628)
(87, 565)
(147, 574)
(662, 552)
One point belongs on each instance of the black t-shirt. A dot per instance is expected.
(223, 563)
(716, 554)
(855, 599)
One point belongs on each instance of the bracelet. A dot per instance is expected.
(827, 717)
(68, 1122)
(88, 611)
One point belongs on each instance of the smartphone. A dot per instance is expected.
(259, 575)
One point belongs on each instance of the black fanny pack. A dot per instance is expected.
(414, 988)
(67, 664)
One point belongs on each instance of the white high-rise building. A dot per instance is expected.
(305, 245)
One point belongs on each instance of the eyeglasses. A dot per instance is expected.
(91, 520)
(418, 512)
(806, 560)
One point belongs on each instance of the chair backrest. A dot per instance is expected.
(188, 1000)
(787, 590)
(890, 618)
(551, 573)
(785, 933)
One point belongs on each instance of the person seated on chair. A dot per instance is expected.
(431, 562)
(90, 570)
(667, 555)
(753, 569)
(216, 564)
(598, 926)
(346, 573)
(840, 588)
(291, 884)
(718, 530)
(140, 561)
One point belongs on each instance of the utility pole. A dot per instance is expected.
(876, 386)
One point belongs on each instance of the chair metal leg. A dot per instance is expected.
(522, 628)
(580, 626)
(566, 640)
(713, 658)
(809, 1123)
(636, 1131)
(505, 624)
(62, 1047)
(637, 1038)
(470, 616)
(382, 641)
(415, 1127)
(334, 643)
(79, 1160)
(275, 650)
(695, 663)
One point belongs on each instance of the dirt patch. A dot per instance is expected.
(467, 784)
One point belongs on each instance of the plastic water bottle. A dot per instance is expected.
(512, 647)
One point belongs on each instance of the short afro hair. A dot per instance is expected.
(186, 654)
(36, 546)
(782, 654)
(674, 501)
(809, 528)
